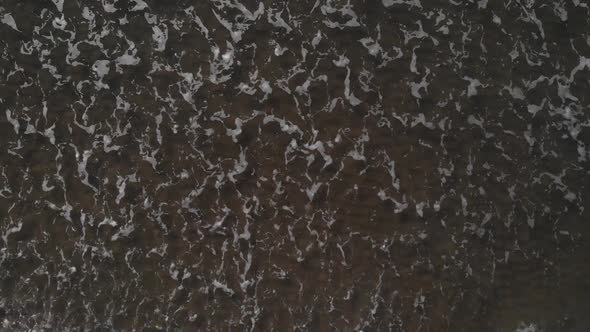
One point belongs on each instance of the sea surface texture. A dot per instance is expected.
(313, 165)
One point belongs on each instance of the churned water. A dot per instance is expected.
(321, 165)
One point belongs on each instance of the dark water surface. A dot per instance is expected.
(241, 165)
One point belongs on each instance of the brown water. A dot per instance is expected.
(311, 166)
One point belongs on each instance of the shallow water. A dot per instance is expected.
(394, 165)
